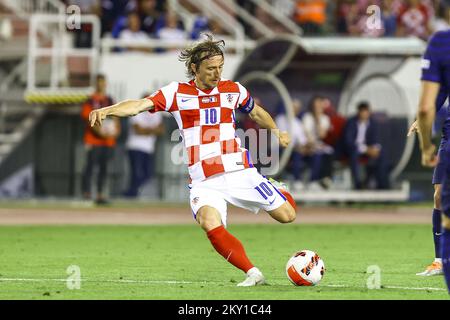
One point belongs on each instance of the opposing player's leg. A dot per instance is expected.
(445, 203)
(435, 268)
(210, 213)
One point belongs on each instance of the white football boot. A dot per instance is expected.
(434, 269)
(254, 278)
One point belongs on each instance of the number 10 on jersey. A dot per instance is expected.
(210, 116)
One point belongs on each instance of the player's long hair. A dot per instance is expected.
(199, 52)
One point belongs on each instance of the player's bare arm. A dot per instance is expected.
(124, 108)
(264, 120)
(425, 119)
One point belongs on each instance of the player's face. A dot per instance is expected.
(209, 72)
(364, 115)
(101, 85)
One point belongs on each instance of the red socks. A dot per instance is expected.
(229, 247)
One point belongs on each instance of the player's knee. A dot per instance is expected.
(208, 218)
(437, 197)
(291, 215)
(287, 215)
(446, 222)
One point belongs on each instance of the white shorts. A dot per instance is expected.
(246, 189)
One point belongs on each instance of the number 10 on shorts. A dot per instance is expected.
(264, 190)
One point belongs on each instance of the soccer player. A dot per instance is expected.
(435, 90)
(220, 169)
(435, 268)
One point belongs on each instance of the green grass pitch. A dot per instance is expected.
(178, 262)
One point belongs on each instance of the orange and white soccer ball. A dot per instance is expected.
(305, 268)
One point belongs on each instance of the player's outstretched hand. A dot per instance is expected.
(284, 138)
(413, 129)
(96, 117)
(429, 158)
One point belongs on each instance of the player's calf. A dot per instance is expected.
(224, 242)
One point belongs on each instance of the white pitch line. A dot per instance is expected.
(105, 280)
(207, 282)
(385, 287)
(412, 288)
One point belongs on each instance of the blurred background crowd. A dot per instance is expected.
(141, 19)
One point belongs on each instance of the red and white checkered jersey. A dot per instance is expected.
(206, 119)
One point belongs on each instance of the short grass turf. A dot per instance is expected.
(178, 262)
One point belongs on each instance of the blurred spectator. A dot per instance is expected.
(414, 20)
(388, 18)
(134, 33)
(99, 142)
(302, 149)
(442, 19)
(316, 125)
(112, 11)
(201, 25)
(172, 32)
(285, 7)
(342, 10)
(337, 124)
(149, 16)
(355, 20)
(142, 134)
(446, 7)
(311, 16)
(361, 145)
(333, 139)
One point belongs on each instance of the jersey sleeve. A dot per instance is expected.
(245, 102)
(163, 98)
(431, 64)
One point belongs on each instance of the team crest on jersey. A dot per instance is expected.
(230, 98)
(195, 200)
(209, 99)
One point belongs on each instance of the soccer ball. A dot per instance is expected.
(305, 268)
